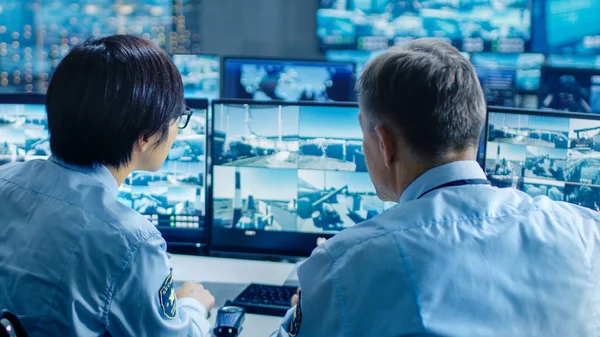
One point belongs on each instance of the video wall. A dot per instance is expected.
(470, 25)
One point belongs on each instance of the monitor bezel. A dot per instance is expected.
(33, 99)
(323, 60)
(235, 242)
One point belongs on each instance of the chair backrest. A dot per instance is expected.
(10, 326)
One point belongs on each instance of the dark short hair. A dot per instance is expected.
(106, 94)
(428, 93)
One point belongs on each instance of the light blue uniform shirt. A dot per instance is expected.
(76, 262)
(468, 260)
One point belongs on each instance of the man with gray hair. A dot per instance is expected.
(456, 257)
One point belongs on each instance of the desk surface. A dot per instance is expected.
(226, 278)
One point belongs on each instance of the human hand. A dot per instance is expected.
(197, 292)
(295, 298)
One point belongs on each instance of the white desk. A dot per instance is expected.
(238, 273)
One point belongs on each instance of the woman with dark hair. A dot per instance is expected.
(73, 259)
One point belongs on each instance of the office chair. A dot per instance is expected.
(10, 326)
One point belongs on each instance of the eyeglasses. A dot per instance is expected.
(183, 120)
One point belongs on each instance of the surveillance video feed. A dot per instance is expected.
(35, 35)
(251, 198)
(23, 133)
(200, 75)
(472, 26)
(174, 195)
(527, 67)
(573, 90)
(266, 80)
(570, 27)
(498, 85)
(301, 170)
(330, 201)
(546, 162)
(330, 139)
(256, 135)
(583, 170)
(505, 159)
(559, 157)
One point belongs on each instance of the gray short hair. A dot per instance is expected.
(428, 93)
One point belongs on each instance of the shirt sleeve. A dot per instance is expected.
(320, 312)
(144, 301)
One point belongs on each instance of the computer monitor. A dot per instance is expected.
(570, 89)
(172, 198)
(526, 72)
(200, 74)
(286, 176)
(287, 80)
(566, 27)
(498, 85)
(23, 128)
(471, 26)
(555, 154)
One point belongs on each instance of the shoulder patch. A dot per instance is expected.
(168, 300)
(294, 327)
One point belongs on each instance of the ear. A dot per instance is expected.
(142, 145)
(387, 144)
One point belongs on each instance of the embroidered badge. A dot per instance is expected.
(168, 300)
(294, 327)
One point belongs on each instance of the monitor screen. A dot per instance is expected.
(566, 27)
(23, 128)
(570, 89)
(265, 80)
(172, 198)
(573, 61)
(471, 26)
(200, 75)
(527, 67)
(545, 153)
(498, 85)
(286, 176)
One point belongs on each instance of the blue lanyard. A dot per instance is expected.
(461, 182)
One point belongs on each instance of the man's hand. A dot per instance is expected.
(197, 292)
(294, 300)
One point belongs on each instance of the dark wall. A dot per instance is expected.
(270, 28)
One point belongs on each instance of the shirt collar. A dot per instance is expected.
(441, 175)
(98, 172)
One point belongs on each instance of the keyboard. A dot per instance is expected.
(263, 299)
